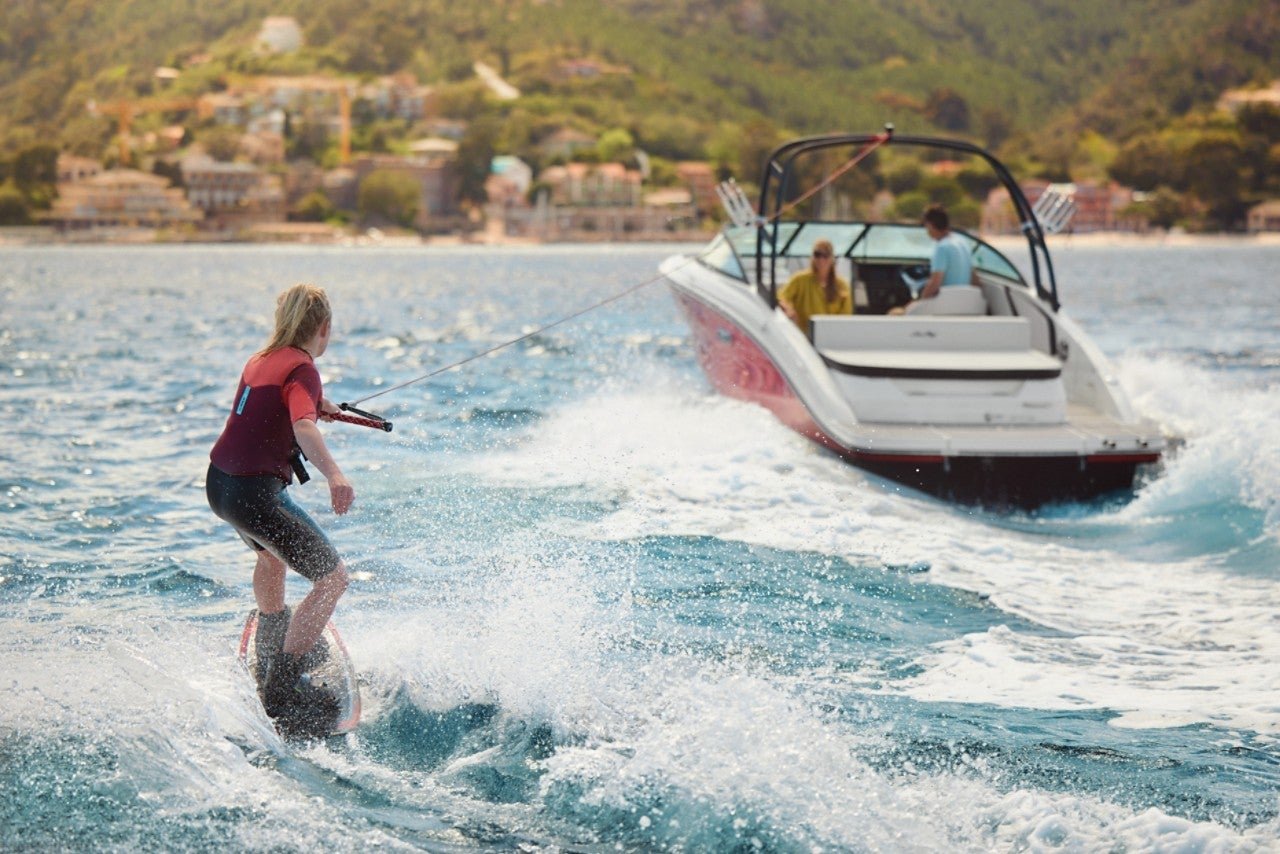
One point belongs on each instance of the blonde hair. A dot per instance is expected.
(300, 312)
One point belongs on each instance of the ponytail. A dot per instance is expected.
(300, 312)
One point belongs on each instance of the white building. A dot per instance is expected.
(514, 170)
(280, 34)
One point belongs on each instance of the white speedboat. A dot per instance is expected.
(1000, 400)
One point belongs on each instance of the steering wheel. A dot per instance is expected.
(914, 276)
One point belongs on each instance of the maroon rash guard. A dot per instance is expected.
(275, 390)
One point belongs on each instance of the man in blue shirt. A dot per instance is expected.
(951, 263)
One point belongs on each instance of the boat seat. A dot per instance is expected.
(932, 347)
(952, 300)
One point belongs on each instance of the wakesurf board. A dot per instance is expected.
(331, 671)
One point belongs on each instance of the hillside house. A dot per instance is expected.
(1233, 100)
(120, 198)
(225, 108)
(565, 142)
(510, 171)
(263, 148)
(603, 184)
(700, 179)
(585, 69)
(72, 168)
(593, 202)
(399, 96)
(232, 195)
(279, 34)
(1264, 217)
(453, 129)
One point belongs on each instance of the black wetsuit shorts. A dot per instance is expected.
(266, 518)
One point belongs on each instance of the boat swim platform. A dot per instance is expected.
(1085, 433)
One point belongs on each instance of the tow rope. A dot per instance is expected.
(383, 424)
(872, 144)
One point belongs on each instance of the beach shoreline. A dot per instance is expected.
(45, 236)
(1123, 239)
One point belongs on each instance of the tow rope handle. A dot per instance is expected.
(360, 417)
(364, 419)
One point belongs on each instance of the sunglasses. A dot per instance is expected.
(822, 255)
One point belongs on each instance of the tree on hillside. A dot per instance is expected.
(978, 180)
(757, 141)
(1144, 163)
(305, 135)
(34, 174)
(673, 136)
(221, 142)
(170, 170)
(1260, 135)
(947, 109)
(475, 158)
(909, 206)
(1092, 155)
(314, 207)
(13, 206)
(1271, 172)
(1163, 208)
(943, 190)
(994, 126)
(1213, 174)
(1260, 120)
(904, 176)
(35, 166)
(615, 146)
(387, 196)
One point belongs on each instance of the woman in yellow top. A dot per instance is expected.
(817, 290)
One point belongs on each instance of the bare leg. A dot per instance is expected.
(314, 611)
(268, 583)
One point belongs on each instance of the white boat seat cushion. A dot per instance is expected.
(955, 300)
(932, 347)
(851, 332)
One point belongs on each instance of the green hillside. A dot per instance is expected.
(1061, 85)
(804, 65)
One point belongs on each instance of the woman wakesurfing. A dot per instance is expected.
(273, 417)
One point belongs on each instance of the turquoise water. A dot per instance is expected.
(597, 606)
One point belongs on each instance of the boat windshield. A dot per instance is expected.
(865, 243)
(725, 252)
